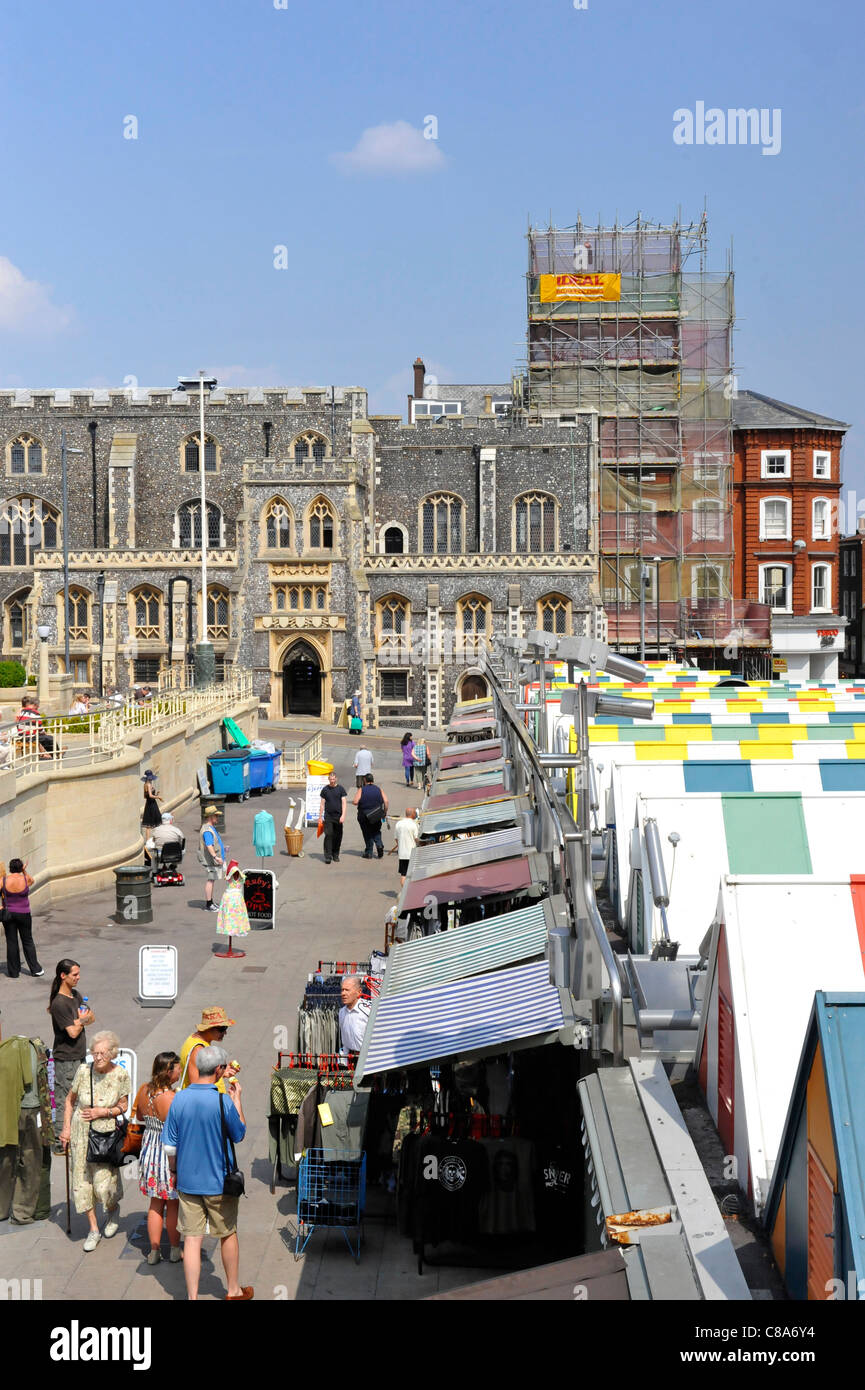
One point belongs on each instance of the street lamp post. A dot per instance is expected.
(43, 689)
(205, 661)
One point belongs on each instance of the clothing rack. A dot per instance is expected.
(322, 1062)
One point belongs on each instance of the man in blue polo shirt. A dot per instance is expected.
(192, 1139)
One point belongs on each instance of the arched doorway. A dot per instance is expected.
(301, 681)
(473, 688)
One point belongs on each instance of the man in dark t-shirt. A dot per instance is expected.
(332, 810)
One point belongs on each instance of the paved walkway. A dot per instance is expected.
(323, 912)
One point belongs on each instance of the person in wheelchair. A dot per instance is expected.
(167, 853)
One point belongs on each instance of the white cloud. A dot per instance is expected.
(397, 148)
(26, 306)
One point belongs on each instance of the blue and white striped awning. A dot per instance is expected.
(473, 949)
(484, 1013)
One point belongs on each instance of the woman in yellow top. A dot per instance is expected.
(213, 1027)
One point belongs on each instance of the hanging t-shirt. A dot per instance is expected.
(559, 1193)
(450, 1179)
(508, 1207)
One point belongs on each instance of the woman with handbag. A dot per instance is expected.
(371, 803)
(98, 1097)
(156, 1180)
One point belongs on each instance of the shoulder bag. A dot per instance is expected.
(375, 817)
(134, 1136)
(4, 912)
(106, 1148)
(233, 1184)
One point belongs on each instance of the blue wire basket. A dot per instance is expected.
(331, 1192)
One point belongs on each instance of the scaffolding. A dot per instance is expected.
(653, 359)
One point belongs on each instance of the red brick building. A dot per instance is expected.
(786, 486)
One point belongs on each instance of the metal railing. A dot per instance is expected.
(79, 740)
(292, 767)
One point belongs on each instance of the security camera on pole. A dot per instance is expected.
(205, 661)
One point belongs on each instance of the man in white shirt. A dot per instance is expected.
(354, 1014)
(167, 832)
(362, 765)
(406, 831)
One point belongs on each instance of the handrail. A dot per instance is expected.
(577, 853)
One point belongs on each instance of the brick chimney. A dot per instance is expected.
(419, 374)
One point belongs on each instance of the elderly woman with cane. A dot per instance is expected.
(97, 1099)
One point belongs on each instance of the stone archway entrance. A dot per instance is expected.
(301, 681)
(473, 688)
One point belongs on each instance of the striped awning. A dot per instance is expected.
(477, 881)
(456, 854)
(484, 1013)
(467, 796)
(474, 778)
(449, 775)
(474, 949)
(458, 818)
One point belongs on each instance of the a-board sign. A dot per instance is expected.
(128, 1060)
(203, 784)
(259, 894)
(157, 976)
(313, 796)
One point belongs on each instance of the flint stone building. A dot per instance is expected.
(344, 551)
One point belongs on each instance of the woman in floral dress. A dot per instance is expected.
(156, 1180)
(233, 919)
(95, 1182)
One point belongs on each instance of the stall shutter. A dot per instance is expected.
(726, 1073)
(821, 1228)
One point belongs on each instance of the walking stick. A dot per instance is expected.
(68, 1207)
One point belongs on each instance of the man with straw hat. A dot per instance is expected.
(211, 854)
(212, 1028)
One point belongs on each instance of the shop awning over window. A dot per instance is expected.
(458, 818)
(447, 776)
(474, 949)
(483, 1014)
(461, 754)
(459, 854)
(495, 791)
(477, 881)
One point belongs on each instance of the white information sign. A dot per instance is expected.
(313, 796)
(157, 976)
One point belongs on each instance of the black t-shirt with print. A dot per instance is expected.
(450, 1178)
(332, 798)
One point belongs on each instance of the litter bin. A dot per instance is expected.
(294, 843)
(229, 773)
(263, 770)
(214, 799)
(132, 888)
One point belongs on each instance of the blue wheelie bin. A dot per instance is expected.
(263, 770)
(229, 772)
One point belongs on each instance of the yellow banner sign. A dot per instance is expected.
(555, 288)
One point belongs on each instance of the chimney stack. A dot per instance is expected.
(419, 374)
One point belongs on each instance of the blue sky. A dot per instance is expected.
(154, 256)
